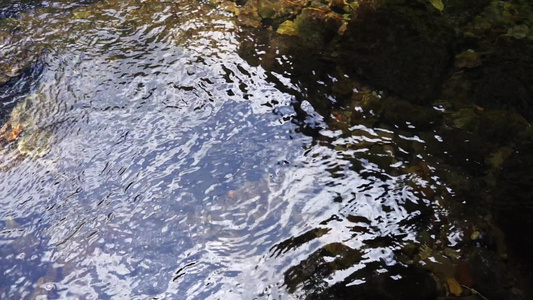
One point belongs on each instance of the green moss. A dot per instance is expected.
(288, 28)
(312, 26)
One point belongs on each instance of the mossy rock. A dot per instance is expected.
(390, 51)
(255, 13)
(288, 28)
(405, 47)
(316, 28)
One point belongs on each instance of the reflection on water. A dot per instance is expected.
(153, 161)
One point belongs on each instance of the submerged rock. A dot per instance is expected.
(288, 27)
(255, 13)
(395, 283)
(17, 87)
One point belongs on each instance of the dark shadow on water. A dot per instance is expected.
(403, 70)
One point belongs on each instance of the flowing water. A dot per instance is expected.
(152, 161)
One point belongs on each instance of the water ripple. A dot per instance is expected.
(156, 162)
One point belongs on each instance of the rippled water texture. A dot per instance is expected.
(156, 162)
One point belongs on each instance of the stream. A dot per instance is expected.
(147, 156)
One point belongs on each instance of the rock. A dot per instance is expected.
(475, 235)
(451, 253)
(316, 28)
(437, 4)
(518, 31)
(454, 287)
(337, 4)
(295, 242)
(9, 133)
(408, 283)
(249, 16)
(288, 28)
(322, 263)
(258, 12)
(468, 59)
(396, 52)
(438, 264)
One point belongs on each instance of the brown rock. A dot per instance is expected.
(454, 286)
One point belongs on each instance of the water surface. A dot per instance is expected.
(155, 161)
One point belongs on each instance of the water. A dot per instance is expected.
(156, 162)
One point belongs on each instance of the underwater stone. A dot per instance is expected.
(248, 14)
(454, 286)
(288, 28)
(468, 59)
(519, 31)
(398, 55)
(411, 283)
(315, 27)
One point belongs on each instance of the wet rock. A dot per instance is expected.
(475, 235)
(248, 14)
(390, 50)
(437, 4)
(435, 262)
(9, 134)
(518, 31)
(316, 28)
(502, 32)
(454, 287)
(405, 46)
(323, 262)
(255, 13)
(468, 59)
(343, 87)
(274, 9)
(465, 119)
(298, 241)
(288, 27)
(451, 253)
(338, 5)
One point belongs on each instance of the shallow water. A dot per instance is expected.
(156, 162)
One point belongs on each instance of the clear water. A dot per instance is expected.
(156, 162)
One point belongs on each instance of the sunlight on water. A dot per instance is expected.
(154, 161)
(146, 137)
